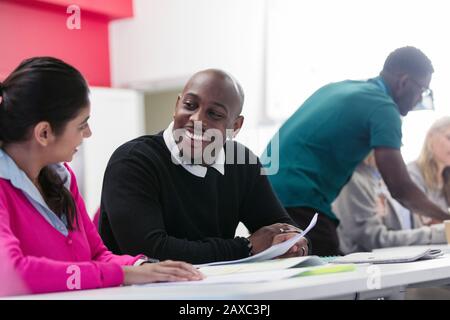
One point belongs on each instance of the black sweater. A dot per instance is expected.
(154, 207)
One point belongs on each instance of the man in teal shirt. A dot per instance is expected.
(321, 144)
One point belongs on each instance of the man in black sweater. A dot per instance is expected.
(180, 194)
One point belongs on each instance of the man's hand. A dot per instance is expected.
(265, 236)
(297, 250)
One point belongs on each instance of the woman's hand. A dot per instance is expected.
(160, 272)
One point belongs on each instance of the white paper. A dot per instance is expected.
(253, 276)
(249, 277)
(393, 256)
(270, 265)
(270, 253)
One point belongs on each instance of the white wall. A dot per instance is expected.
(300, 45)
(169, 40)
(159, 109)
(311, 43)
(117, 115)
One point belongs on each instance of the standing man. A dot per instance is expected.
(321, 144)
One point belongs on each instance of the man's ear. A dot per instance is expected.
(43, 133)
(402, 82)
(237, 125)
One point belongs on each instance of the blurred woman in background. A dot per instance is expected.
(369, 218)
(431, 171)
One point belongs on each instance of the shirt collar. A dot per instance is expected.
(195, 169)
(10, 171)
(379, 81)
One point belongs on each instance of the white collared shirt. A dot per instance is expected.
(195, 169)
(10, 171)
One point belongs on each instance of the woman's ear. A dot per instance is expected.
(43, 133)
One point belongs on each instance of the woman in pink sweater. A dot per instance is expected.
(45, 232)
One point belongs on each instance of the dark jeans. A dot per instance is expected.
(324, 238)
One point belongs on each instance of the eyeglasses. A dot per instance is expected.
(427, 101)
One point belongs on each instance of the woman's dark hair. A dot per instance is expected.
(43, 89)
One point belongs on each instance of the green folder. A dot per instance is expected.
(328, 269)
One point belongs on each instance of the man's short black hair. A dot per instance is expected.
(408, 60)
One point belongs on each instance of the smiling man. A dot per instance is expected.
(180, 194)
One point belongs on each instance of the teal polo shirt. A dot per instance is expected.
(321, 144)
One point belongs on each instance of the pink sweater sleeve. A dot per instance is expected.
(10, 282)
(40, 274)
(99, 250)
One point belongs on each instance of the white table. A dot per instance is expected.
(445, 248)
(359, 284)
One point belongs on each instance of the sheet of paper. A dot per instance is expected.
(272, 252)
(263, 276)
(253, 276)
(393, 256)
(275, 264)
(250, 277)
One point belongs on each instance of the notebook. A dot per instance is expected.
(390, 256)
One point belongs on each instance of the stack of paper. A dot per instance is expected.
(390, 256)
(263, 266)
(263, 271)
(270, 253)
(277, 264)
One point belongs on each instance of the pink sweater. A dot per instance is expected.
(44, 258)
(10, 283)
